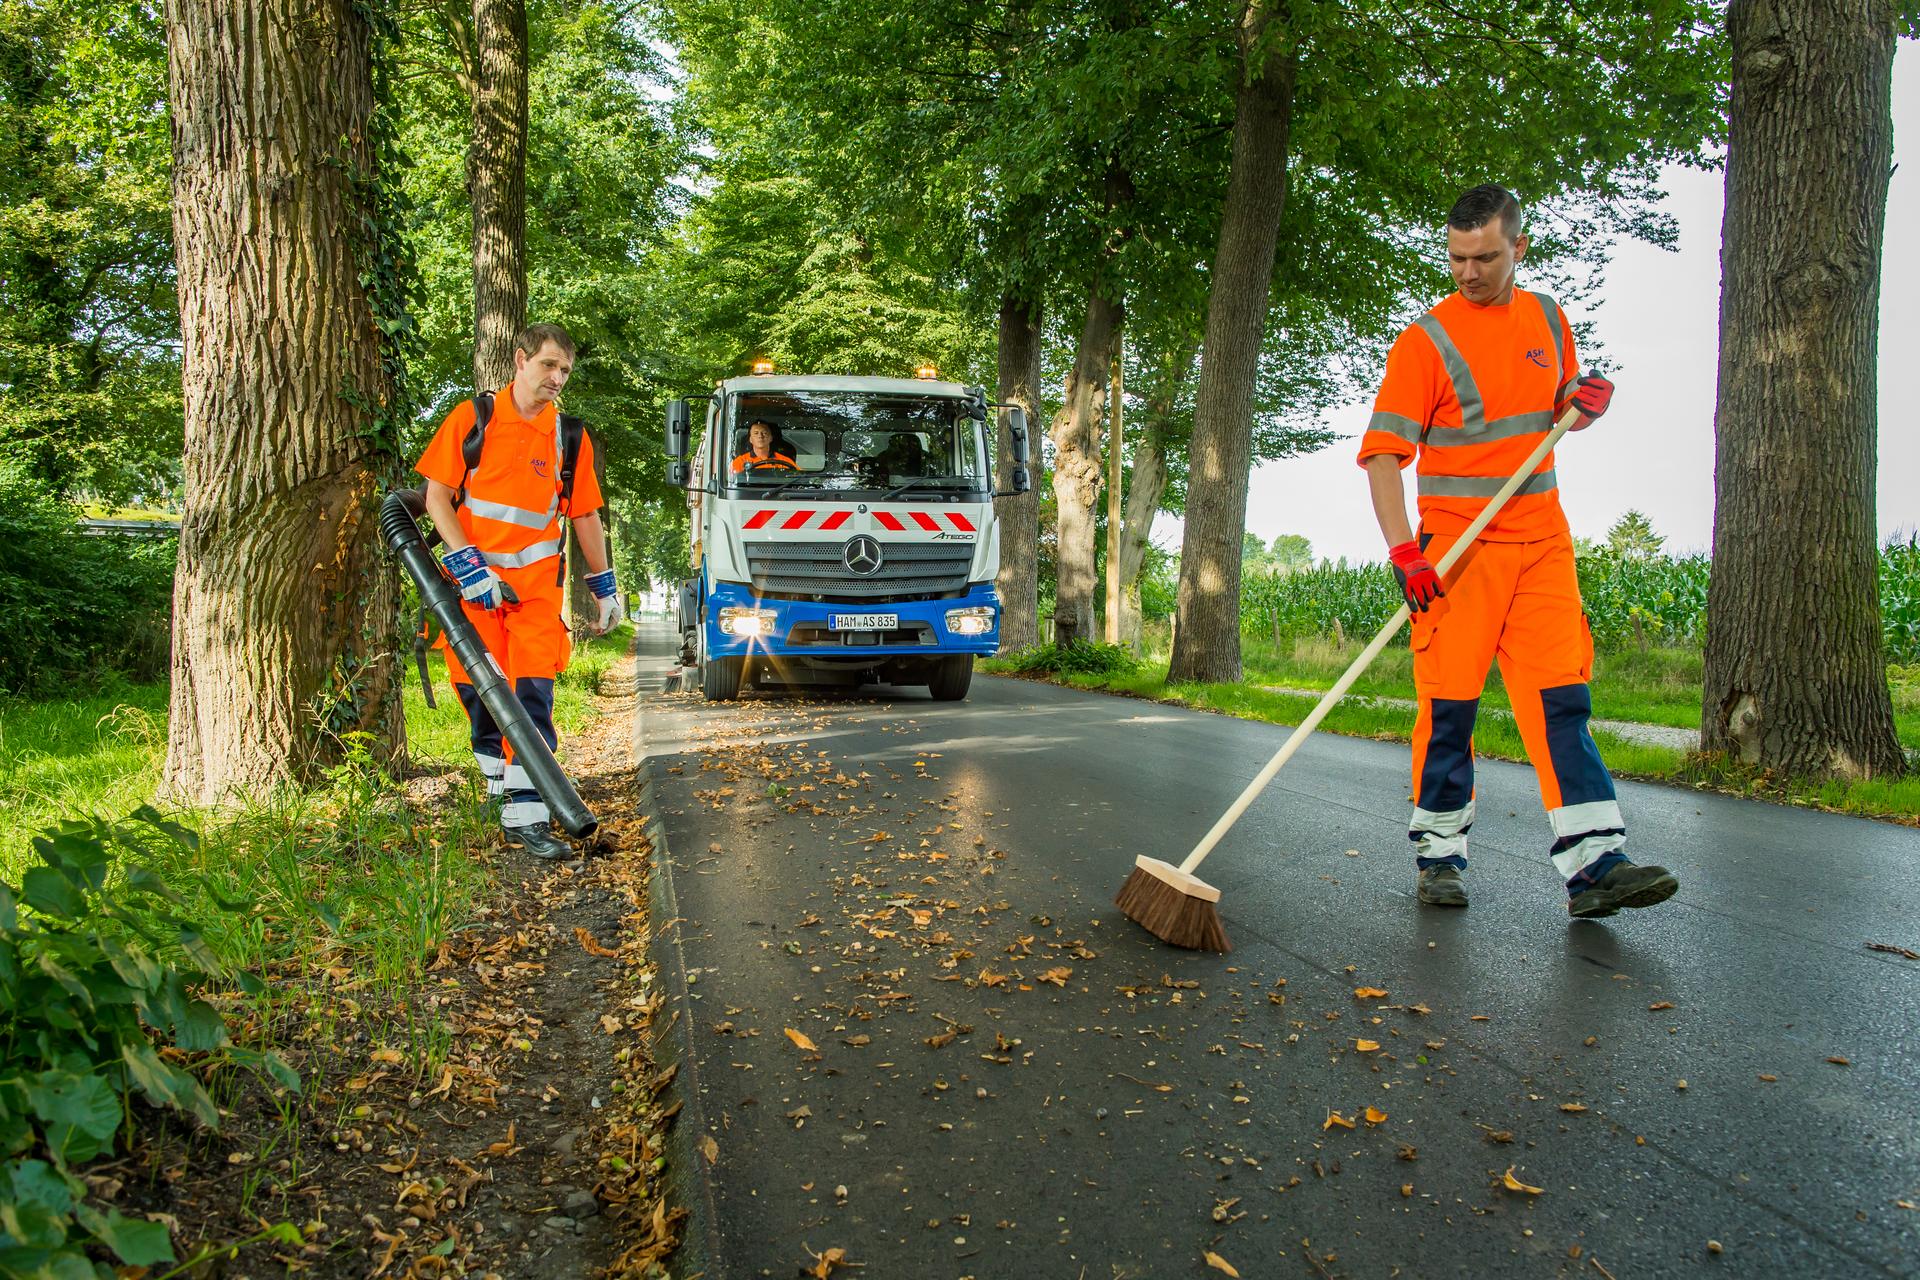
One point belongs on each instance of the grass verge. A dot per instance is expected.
(1361, 715)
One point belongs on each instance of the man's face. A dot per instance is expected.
(760, 436)
(1482, 261)
(540, 376)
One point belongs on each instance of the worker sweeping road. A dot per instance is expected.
(501, 472)
(1471, 388)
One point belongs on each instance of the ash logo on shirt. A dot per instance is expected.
(1537, 357)
(539, 466)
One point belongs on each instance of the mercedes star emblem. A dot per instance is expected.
(862, 556)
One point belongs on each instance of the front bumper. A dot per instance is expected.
(803, 628)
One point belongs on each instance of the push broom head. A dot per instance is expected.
(1173, 906)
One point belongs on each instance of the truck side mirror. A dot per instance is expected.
(677, 430)
(1017, 434)
(677, 473)
(1022, 481)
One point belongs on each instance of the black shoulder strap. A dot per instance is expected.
(572, 432)
(476, 434)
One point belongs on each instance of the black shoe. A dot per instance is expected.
(1441, 886)
(538, 839)
(1625, 886)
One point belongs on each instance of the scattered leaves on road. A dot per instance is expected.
(1335, 1118)
(1369, 993)
(1219, 1263)
(1512, 1183)
(801, 1041)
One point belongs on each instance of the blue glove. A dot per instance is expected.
(479, 584)
(608, 594)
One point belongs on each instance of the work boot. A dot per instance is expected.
(1624, 885)
(1441, 886)
(538, 839)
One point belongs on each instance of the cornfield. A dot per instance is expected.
(1630, 601)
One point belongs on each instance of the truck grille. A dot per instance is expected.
(815, 571)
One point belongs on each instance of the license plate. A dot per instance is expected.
(863, 621)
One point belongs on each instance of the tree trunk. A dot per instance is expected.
(1116, 484)
(285, 626)
(1076, 467)
(1019, 517)
(1208, 644)
(497, 185)
(1795, 667)
(1148, 486)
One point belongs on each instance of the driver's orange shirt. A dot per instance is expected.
(778, 462)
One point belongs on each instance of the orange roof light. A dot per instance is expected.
(763, 366)
(926, 373)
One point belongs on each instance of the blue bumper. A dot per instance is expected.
(803, 628)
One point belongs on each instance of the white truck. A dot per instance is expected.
(862, 550)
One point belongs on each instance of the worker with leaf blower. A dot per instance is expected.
(502, 472)
(1471, 388)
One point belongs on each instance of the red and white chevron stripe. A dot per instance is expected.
(814, 519)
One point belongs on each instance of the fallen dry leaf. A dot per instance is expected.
(1335, 1118)
(592, 946)
(709, 1148)
(1573, 1108)
(1512, 1183)
(1366, 1046)
(1219, 1263)
(1375, 1115)
(824, 1263)
(1893, 950)
(1660, 1004)
(1839, 1061)
(801, 1041)
(1057, 976)
(1369, 993)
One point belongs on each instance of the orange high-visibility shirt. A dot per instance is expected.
(513, 506)
(1470, 391)
(777, 462)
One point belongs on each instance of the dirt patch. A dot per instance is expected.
(501, 1120)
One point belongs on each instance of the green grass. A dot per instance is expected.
(1494, 736)
(1660, 686)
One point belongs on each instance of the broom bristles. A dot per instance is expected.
(1173, 906)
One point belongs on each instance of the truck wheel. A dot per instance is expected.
(951, 676)
(720, 678)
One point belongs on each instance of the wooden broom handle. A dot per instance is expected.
(1379, 642)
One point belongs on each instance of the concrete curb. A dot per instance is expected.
(699, 1253)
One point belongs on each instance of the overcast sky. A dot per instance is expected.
(1658, 318)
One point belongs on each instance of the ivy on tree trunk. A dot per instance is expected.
(285, 625)
(1795, 668)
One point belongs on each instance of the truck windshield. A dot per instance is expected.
(856, 441)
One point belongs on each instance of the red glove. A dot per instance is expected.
(1592, 394)
(1418, 581)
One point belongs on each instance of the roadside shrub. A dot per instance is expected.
(1076, 659)
(1900, 598)
(96, 960)
(75, 607)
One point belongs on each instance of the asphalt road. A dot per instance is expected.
(1010, 1079)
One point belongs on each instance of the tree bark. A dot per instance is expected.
(1076, 466)
(497, 186)
(1207, 646)
(1116, 484)
(1795, 664)
(1019, 517)
(1147, 486)
(285, 624)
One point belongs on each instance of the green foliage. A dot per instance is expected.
(1632, 537)
(89, 360)
(1900, 598)
(1331, 598)
(1073, 659)
(75, 606)
(96, 959)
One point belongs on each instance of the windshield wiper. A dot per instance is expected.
(928, 482)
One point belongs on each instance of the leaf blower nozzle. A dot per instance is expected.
(400, 514)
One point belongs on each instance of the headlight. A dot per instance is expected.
(739, 620)
(975, 620)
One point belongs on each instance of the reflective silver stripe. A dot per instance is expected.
(527, 555)
(1518, 424)
(1481, 486)
(1473, 413)
(1552, 310)
(1395, 424)
(512, 515)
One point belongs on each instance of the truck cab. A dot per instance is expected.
(861, 547)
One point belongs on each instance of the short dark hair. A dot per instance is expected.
(535, 336)
(1476, 208)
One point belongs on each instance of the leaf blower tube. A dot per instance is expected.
(400, 513)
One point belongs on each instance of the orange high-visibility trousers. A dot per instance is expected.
(1517, 603)
(531, 643)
